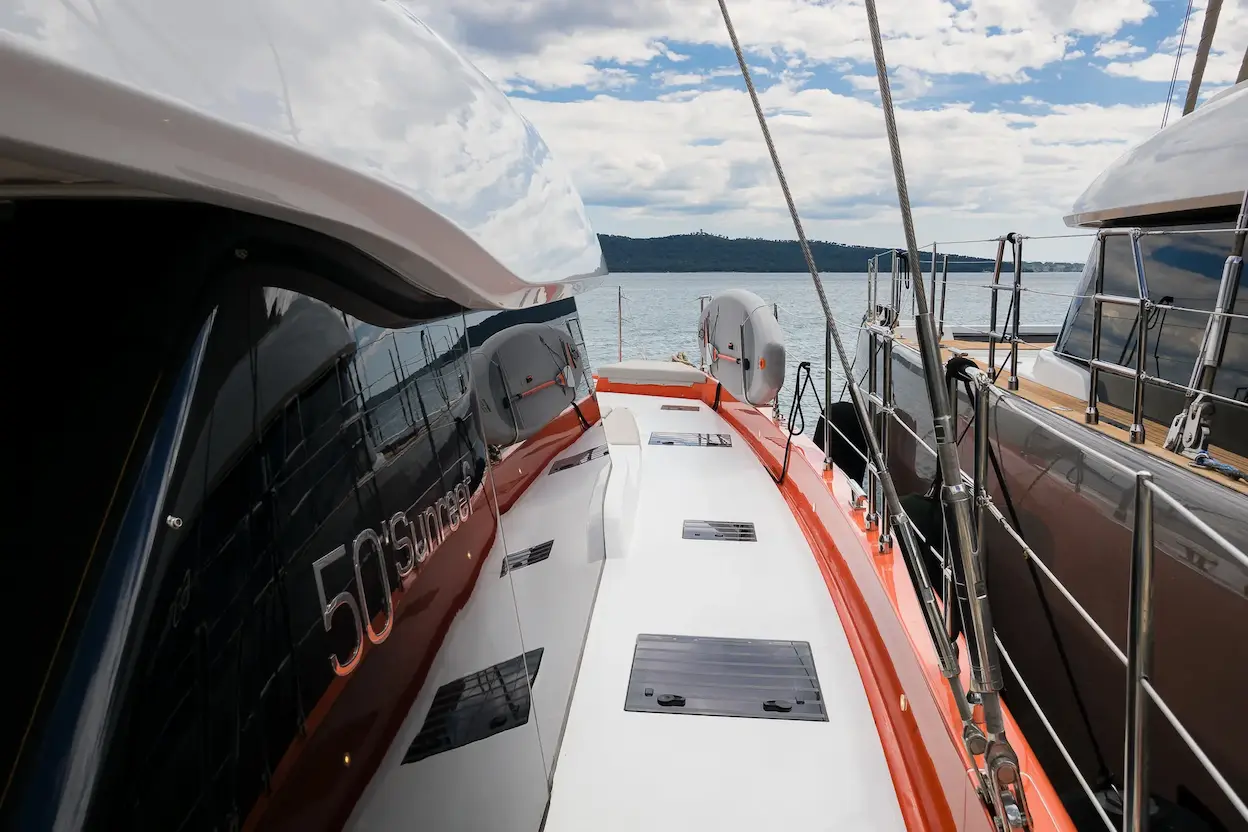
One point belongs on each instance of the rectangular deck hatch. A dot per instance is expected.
(477, 707)
(526, 557)
(724, 677)
(689, 407)
(695, 440)
(719, 530)
(578, 459)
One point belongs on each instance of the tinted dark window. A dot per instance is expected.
(218, 452)
(1182, 270)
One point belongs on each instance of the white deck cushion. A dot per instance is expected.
(640, 371)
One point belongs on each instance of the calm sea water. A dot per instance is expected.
(661, 313)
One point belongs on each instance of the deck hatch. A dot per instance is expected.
(725, 677)
(526, 557)
(687, 407)
(694, 440)
(477, 707)
(578, 459)
(719, 530)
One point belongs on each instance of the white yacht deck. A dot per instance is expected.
(625, 770)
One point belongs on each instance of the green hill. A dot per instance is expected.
(711, 253)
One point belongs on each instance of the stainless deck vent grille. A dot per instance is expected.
(696, 440)
(477, 707)
(579, 459)
(689, 407)
(526, 557)
(719, 530)
(725, 677)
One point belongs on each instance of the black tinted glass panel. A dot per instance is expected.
(477, 707)
(269, 510)
(1182, 270)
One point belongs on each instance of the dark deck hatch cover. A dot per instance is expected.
(719, 530)
(724, 677)
(578, 459)
(477, 707)
(526, 557)
(692, 407)
(695, 440)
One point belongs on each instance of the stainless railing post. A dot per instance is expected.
(895, 297)
(1141, 341)
(886, 417)
(992, 310)
(981, 462)
(1017, 304)
(1139, 648)
(873, 516)
(827, 395)
(939, 323)
(944, 294)
(1091, 415)
(873, 273)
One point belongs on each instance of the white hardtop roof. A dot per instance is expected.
(1198, 162)
(353, 119)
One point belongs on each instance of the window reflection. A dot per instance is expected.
(312, 428)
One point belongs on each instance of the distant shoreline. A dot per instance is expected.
(695, 253)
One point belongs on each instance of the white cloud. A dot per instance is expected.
(556, 43)
(1117, 49)
(1225, 53)
(693, 157)
(677, 78)
(662, 167)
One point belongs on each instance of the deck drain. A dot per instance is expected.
(693, 440)
(526, 557)
(719, 530)
(579, 459)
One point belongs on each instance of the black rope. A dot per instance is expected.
(800, 383)
(719, 389)
(581, 416)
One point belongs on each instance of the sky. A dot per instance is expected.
(1007, 109)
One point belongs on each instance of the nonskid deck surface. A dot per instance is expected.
(622, 769)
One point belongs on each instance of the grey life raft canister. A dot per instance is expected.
(743, 345)
(525, 376)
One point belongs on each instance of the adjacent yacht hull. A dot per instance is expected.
(1076, 513)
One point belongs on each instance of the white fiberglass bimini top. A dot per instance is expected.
(1199, 162)
(351, 119)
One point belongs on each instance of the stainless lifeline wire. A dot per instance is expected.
(956, 497)
(973, 737)
(1002, 763)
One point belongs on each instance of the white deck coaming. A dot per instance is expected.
(544, 605)
(350, 119)
(622, 770)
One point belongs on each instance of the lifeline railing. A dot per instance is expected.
(1011, 330)
(1001, 780)
(881, 334)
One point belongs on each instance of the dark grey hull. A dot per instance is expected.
(1076, 513)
